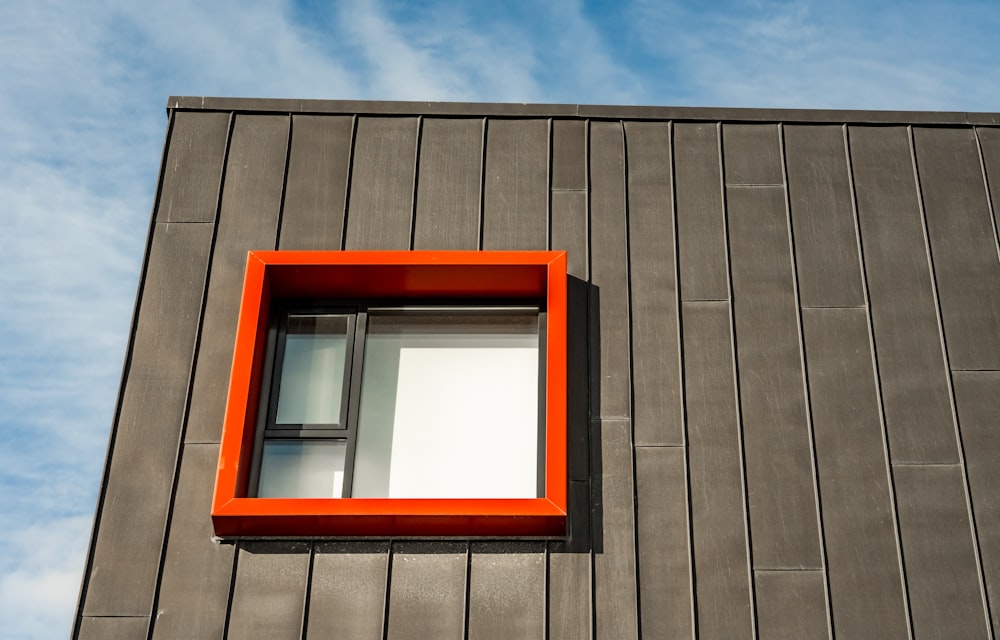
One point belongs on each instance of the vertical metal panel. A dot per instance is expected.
(197, 570)
(820, 201)
(569, 194)
(507, 591)
(570, 578)
(319, 161)
(791, 605)
(569, 230)
(752, 155)
(904, 318)
(665, 582)
(718, 503)
(382, 175)
(977, 395)
(569, 154)
(427, 591)
(129, 534)
(569, 596)
(656, 386)
(269, 590)
(248, 219)
(701, 218)
(963, 245)
(192, 171)
(449, 187)
(117, 628)
(615, 598)
(989, 146)
(615, 602)
(866, 584)
(941, 571)
(516, 192)
(783, 510)
(610, 369)
(347, 596)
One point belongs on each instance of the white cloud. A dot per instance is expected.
(581, 61)
(37, 597)
(504, 52)
(437, 52)
(238, 48)
(820, 55)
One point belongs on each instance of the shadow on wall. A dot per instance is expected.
(583, 394)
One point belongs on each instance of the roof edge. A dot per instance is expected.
(610, 112)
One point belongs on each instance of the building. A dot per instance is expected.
(783, 371)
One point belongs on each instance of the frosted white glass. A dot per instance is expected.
(449, 412)
(302, 469)
(312, 379)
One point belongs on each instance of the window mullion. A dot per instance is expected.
(542, 399)
(265, 412)
(354, 401)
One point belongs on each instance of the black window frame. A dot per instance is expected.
(358, 312)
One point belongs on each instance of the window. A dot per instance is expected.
(423, 394)
(402, 402)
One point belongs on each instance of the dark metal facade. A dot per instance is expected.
(784, 371)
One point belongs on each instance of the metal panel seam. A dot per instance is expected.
(980, 574)
(878, 384)
(736, 384)
(810, 428)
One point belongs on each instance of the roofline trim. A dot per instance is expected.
(610, 112)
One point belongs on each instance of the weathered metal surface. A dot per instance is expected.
(908, 345)
(657, 410)
(516, 185)
(942, 573)
(319, 166)
(449, 184)
(977, 394)
(701, 217)
(866, 581)
(192, 172)
(197, 570)
(821, 204)
(380, 207)
(963, 245)
(765, 413)
(720, 544)
(780, 486)
(269, 590)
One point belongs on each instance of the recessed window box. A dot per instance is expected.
(397, 394)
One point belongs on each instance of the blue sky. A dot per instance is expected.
(82, 92)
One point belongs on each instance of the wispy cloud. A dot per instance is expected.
(46, 577)
(503, 52)
(824, 55)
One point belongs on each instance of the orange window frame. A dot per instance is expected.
(470, 276)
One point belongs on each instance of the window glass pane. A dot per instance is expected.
(312, 372)
(449, 407)
(302, 469)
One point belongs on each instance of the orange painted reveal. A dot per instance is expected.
(418, 275)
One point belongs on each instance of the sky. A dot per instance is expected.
(83, 89)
